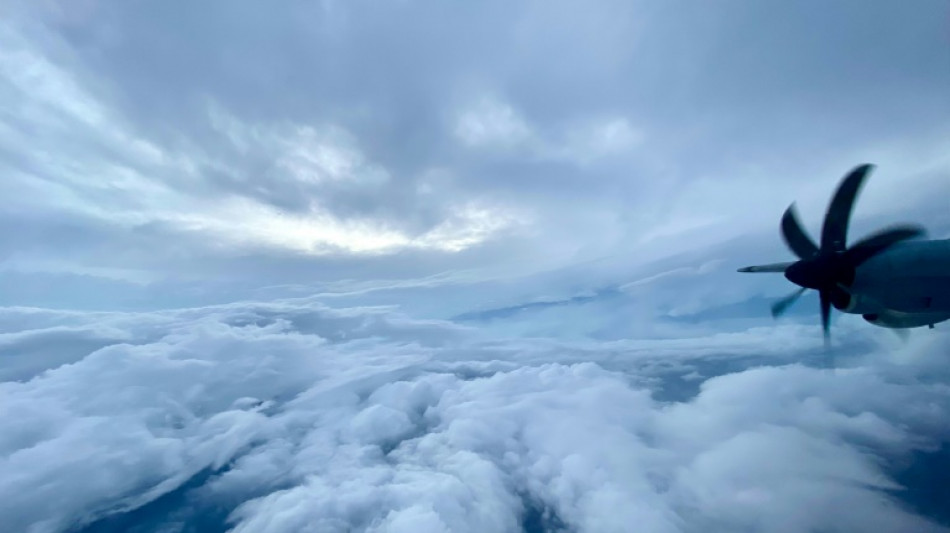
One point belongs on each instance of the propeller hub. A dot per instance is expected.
(825, 271)
(807, 273)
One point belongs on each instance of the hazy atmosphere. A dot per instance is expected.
(422, 266)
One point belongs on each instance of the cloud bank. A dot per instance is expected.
(291, 416)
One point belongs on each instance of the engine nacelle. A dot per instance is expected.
(853, 303)
(895, 319)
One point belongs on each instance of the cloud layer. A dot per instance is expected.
(246, 145)
(484, 259)
(294, 417)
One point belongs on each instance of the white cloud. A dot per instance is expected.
(149, 188)
(363, 151)
(492, 123)
(244, 223)
(364, 420)
(596, 139)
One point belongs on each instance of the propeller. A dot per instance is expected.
(779, 307)
(829, 267)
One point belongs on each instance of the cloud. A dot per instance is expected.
(331, 133)
(576, 185)
(252, 187)
(492, 123)
(293, 417)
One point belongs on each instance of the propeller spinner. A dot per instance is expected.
(829, 268)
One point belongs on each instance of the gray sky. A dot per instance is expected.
(181, 153)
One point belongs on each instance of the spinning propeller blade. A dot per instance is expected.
(779, 307)
(830, 268)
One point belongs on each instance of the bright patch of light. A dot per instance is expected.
(470, 227)
(242, 222)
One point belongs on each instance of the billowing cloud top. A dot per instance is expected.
(287, 417)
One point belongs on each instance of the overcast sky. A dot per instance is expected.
(238, 145)
(439, 266)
